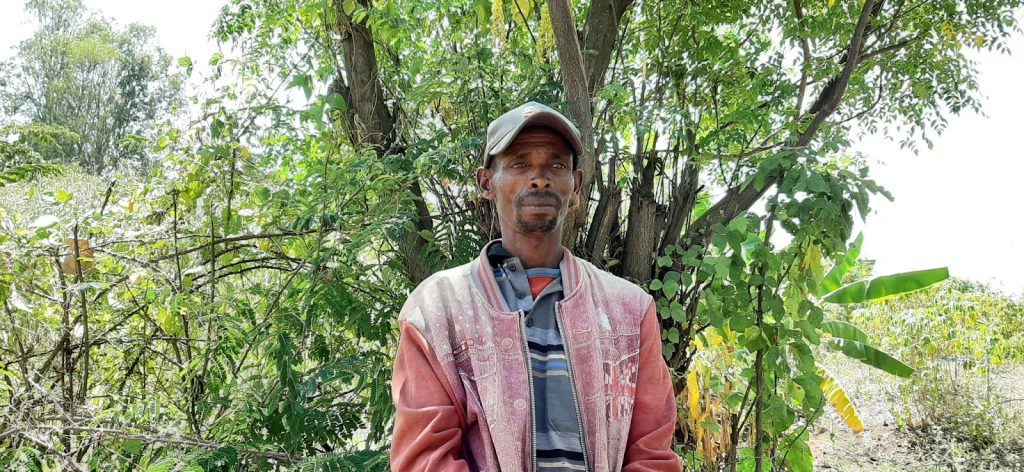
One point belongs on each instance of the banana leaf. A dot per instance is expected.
(885, 286)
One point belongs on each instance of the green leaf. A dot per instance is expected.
(670, 288)
(63, 196)
(164, 465)
(678, 312)
(836, 274)
(186, 62)
(799, 456)
(844, 330)
(871, 356)
(747, 460)
(261, 195)
(131, 446)
(303, 81)
(655, 285)
(738, 224)
(336, 101)
(794, 391)
(754, 339)
(817, 184)
(886, 286)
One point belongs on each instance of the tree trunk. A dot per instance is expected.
(370, 124)
(684, 197)
(581, 77)
(600, 33)
(642, 233)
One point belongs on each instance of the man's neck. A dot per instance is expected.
(533, 252)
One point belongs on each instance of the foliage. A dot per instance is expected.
(19, 160)
(368, 461)
(235, 306)
(956, 320)
(954, 415)
(108, 84)
(959, 335)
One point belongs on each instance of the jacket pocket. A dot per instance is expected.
(620, 357)
(474, 358)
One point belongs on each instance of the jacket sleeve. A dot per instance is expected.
(428, 421)
(649, 446)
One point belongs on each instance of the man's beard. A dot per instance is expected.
(543, 226)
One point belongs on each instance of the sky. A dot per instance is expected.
(957, 205)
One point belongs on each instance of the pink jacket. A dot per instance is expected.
(462, 389)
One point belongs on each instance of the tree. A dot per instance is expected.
(246, 294)
(109, 85)
(692, 114)
(19, 159)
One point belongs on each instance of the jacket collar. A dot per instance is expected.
(483, 277)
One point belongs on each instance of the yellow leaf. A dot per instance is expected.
(812, 262)
(693, 393)
(947, 29)
(522, 12)
(839, 400)
(979, 42)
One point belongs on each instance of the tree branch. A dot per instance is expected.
(741, 197)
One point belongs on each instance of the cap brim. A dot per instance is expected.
(542, 118)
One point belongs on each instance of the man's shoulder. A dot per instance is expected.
(437, 291)
(620, 298)
(611, 283)
(455, 275)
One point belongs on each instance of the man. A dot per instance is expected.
(528, 358)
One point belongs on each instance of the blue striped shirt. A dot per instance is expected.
(558, 439)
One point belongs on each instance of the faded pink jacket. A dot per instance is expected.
(461, 383)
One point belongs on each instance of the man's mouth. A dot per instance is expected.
(543, 200)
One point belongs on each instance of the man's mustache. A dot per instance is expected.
(547, 195)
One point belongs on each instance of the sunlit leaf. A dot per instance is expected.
(840, 401)
(886, 286)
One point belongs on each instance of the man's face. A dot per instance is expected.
(532, 183)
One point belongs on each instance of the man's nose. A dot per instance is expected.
(540, 179)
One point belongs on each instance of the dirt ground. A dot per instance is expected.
(884, 446)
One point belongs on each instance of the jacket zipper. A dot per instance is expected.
(529, 376)
(575, 402)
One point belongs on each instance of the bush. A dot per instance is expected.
(959, 336)
(955, 415)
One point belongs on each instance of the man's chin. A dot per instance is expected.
(537, 226)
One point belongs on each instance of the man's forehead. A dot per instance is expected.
(545, 138)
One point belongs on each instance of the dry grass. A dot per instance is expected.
(913, 425)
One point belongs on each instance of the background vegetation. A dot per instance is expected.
(218, 291)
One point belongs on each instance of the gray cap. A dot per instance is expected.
(505, 128)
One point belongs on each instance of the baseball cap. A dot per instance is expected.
(504, 129)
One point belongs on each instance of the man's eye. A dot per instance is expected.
(559, 165)
(516, 165)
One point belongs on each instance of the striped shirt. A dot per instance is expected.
(535, 291)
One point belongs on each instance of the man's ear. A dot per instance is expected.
(484, 180)
(577, 179)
